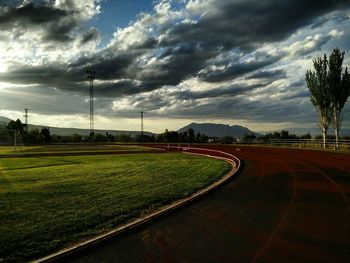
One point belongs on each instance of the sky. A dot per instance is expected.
(220, 61)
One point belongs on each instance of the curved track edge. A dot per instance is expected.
(90, 243)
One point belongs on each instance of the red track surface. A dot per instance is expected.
(284, 206)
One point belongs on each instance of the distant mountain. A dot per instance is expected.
(69, 131)
(218, 130)
(4, 120)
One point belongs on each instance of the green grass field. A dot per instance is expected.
(48, 203)
(71, 148)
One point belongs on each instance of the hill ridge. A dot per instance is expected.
(218, 130)
(62, 131)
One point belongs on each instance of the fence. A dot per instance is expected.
(8, 137)
(298, 143)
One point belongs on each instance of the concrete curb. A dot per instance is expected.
(166, 209)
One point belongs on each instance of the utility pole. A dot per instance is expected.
(91, 77)
(26, 118)
(142, 112)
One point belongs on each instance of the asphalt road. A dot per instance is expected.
(284, 206)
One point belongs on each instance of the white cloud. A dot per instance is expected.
(335, 33)
(308, 45)
(83, 9)
(162, 8)
(135, 34)
(198, 6)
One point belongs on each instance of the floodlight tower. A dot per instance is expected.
(142, 112)
(91, 77)
(26, 118)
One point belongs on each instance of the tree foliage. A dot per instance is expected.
(16, 125)
(330, 89)
(339, 88)
(317, 83)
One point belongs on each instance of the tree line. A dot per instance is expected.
(34, 136)
(43, 136)
(329, 86)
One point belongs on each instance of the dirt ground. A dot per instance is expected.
(284, 206)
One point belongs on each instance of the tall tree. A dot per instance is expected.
(191, 136)
(16, 125)
(339, 89)
(317, 83)
(45, 134)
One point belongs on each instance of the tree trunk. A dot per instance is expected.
(337, 138)
(336, 128)
(324, 134)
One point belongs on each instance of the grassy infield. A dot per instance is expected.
(49, 202)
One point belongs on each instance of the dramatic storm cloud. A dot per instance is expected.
(232, 61)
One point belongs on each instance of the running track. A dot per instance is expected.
(284, 206)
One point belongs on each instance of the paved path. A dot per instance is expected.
(285, 206)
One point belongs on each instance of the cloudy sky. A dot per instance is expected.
(224, 61)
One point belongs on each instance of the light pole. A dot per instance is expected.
(142, 112)
(26, 118)
(91, 77)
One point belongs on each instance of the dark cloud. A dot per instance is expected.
(246, 23)
(151, 103)
(59, 25)
(235, 70)
(54, 20)
(148, 43)
(105, 89)
(269, 74)
(230, 91)
(298, 83)
(300, 94)
(29, 14)
(241, 108)
(336, 17)
(43, 74)
(61, 31)
(120, 88)
(177, 65)
(109, 66)
(92, 35)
